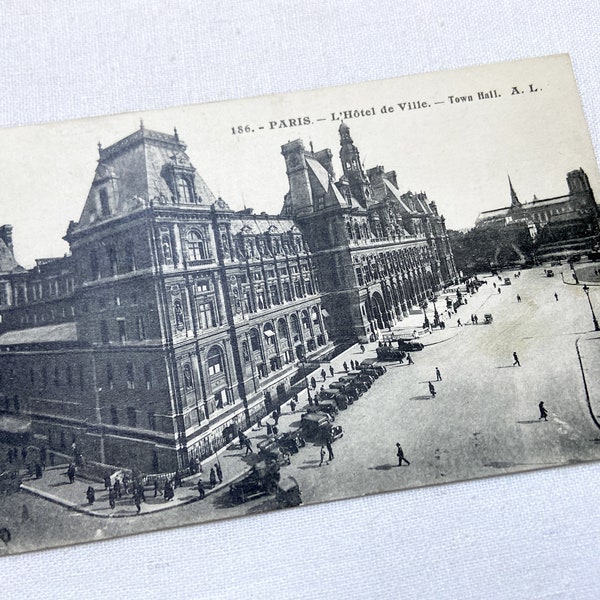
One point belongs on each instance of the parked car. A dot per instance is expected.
(339, 398)
(260, 481)
(507, 281)
(288, 492)
(349, 390)
(329, 407)
(317, 427)
(270, 450)
(371, 363)
(291, 441)
(364, 376)
(356, 382)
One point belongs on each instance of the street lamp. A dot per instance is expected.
(586, 289)
(303, 363)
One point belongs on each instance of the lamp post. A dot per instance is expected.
(586, 289)
(303, 363)
(436, 316)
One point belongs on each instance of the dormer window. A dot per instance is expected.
(185, 191)
(104, 205)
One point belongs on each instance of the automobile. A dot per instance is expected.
(339, 398)
(370, 363)
(549, 273)
(363, 376)
(288, 492)
(270, 450)
(291, 441)
(410, 346)
(356, 382)
(556, 263)
(349, 390)
(507, 281)
(260, 481)
(329, 407)
(317, 427)
(488, 319)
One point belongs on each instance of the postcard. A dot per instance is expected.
(218, 310)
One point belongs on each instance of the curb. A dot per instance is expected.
(585, 385)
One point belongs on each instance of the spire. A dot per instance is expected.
(514, 201)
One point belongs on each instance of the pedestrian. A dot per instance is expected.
(117, 488)
(201, 490)
(362, 349)
(438, 375)
(52, 458)
(275, 416)
(329, 447)
(494, 285)
(219, 472)
(409, 359)
(38, 471)
(138, 503)
(292, 405)
(458, 323)
(476, 319)
(112, 498)
(401, 357)
(71, 473)
(177, 479)
(499, 290)
(543, 412)
(516, 363)
(472, 319)
(23, 453)
(431, 389)
(331, 370)
(212, 478)
(556, 296)
(518, 298)
(400, 455)
(43, 456)
(90, 494)
(24, 513)
(156, 490)
(323, 375)
(345, 365)
(248, 447)
(168, 495)
(242, 439)
(322, 454)
(106, 481)
(313, 383)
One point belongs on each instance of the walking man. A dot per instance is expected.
(322, 454)
(431, 389)
(90, 495)
(71, 473)
(400, 455)
(438, 375)
(313, 383)
(518, 298)
(323, 374)
(329, 448)
(556, 296)
(219, 472)
(543, 412)
(516, 363)
(409, 359)
(248, 444)
(458, 323)
(362, 349)
(345, 365)
(331, 371)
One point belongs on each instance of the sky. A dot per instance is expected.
(460, 152)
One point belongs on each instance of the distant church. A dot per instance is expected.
(564, 223)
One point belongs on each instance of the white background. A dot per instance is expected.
(524, 536)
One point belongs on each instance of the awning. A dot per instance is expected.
(324, 312)
(269, 333)
(14, 425)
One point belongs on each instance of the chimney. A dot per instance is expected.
(6, 237)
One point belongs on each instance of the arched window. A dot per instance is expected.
(94, 266)
(196, 246)
(315, 315)
(111, 252)
(295, 326)
(254, 340)
(129, 256)
(282, 330)
(216, 364)
(305, 319)
(184, 190)
(287, 292)
(245, 352)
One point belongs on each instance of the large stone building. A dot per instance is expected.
(174, 322)
(379, 252)
(560, 223)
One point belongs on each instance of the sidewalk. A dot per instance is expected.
(55, 487)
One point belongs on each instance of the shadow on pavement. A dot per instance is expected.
(386, 467)
(530, 421)
(428, 397)
(506, 367)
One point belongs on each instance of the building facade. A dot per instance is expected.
(568, 222)
(173, 323)
(379, 252)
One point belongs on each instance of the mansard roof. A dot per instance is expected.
(138, 170)
(261, 224)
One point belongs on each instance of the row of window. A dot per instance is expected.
(112, 263)
(48, 316)
(69, 375)
(122, 333)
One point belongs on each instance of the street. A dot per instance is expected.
(484, 419)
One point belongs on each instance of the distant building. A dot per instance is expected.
(379, 253)
(564, 223)
(174, 323)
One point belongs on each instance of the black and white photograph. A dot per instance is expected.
(220, 310)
